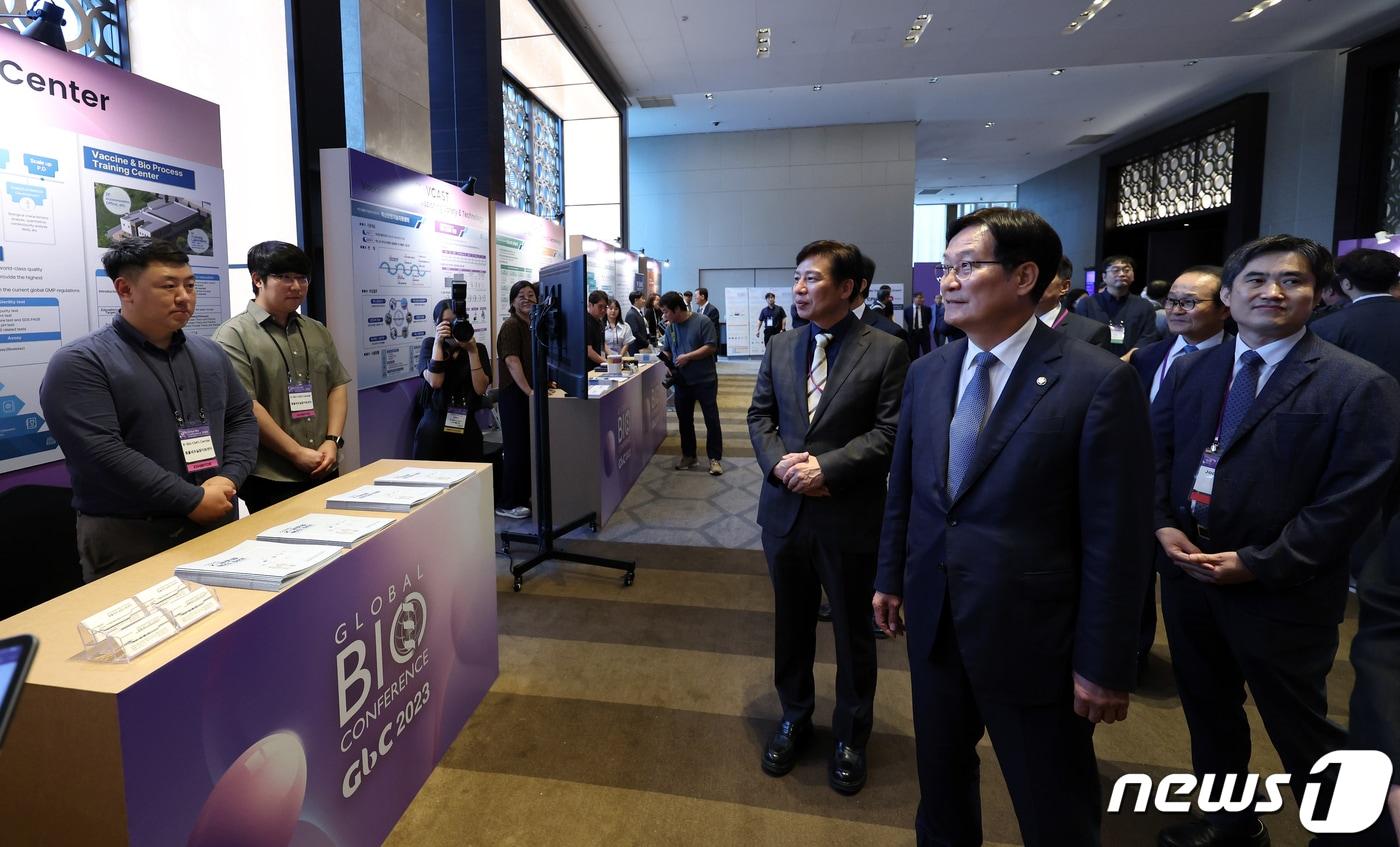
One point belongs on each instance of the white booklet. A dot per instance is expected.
(340, 530)
(383, 498)
(432, 477)
(264, 565)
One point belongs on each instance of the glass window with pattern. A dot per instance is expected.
(534, 152)
(93, 28)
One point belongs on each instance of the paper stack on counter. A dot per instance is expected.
(383, 498)
(429, 477)
(262, 565)
(339, 530)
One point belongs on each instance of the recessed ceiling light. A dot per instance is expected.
(932, 80)
(1057, 72)
(1192, 62)
(943, 158)
(916, 29)
(764, 37)
(816, 88)
(709, 95)
(990, 124)
(1085, 16)
(1255, 10)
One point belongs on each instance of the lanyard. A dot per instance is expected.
(176, 408)
(286, 365)
(1061, 319)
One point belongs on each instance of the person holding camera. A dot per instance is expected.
(456, 373)
(289, 365)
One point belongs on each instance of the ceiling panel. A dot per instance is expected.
(575, 102)
(519, 18)
(541, 60)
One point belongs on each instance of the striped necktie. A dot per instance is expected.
(816, 377)
(967, 421)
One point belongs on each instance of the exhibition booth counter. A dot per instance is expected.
(600, 445)
(313, 713)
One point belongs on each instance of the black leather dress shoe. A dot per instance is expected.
(1205, 834)
(847, 772)
(784, 746)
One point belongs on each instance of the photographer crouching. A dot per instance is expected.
(457, 374)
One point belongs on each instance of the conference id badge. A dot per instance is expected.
(1205, 478)
(456, 422)
(300, 395)
(770, 322)
(1117, 333)
(198, 446)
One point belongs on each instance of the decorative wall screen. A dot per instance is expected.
(1194, 176)
(94, 28)
(534, 152)
(1390, 173)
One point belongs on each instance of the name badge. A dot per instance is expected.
(198, 446)
(300, 395)
(1117, 333)
(456, 422)
(770, 322)
(1205, 478)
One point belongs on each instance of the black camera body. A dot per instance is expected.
(462, 329)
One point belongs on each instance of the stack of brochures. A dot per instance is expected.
(429, 477)
(263, 565)
(383, 498)
(339, 530)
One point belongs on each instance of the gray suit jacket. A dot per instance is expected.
(852, 434)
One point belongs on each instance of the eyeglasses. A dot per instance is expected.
(1186, 304)
(291, 279)
(965, 269)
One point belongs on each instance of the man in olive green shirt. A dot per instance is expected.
(289, 365)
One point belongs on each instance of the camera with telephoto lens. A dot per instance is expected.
(462, 330)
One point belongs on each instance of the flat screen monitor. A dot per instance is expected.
(1091, 278)
(16, 655)
(565, 285)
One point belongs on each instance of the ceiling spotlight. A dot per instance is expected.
(47, 26)
(932, 80)
(990, 124)
(816, 88)
(642, 252)
(763, 30)
(916, 29)
(666, 262)
(1085, 16)
(709, 95)
(1192, 62)
(942, 158)
(1255, 10)
(764, 37)
(1057, 72)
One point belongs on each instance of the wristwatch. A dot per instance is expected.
(339, 442)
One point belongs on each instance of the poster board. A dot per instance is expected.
(91, 155)
(742, 306)
(522, 244)
(610, 268)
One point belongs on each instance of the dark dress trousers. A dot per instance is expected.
(921, 339)
(1306, 468)
(1084, 329)
(1138, 317)
(827, 542)
(1029, 575)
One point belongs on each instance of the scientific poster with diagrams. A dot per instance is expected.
(524, 244)
(104, 157)
(414, 236)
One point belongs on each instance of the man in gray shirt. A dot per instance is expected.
(288, 363)
(157, 430)
(692, 343)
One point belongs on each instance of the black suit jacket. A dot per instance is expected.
(1088, 331)
(1375, 653)
(909, 319)
(1138, 316)
(641, 337)
(852, 434)
(1044, 573)
(710, 311)
(1304, 473)
(944, 332)
(1148, 359)
(877, 318)
(1369, 329)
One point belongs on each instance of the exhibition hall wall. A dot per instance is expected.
(385, 55)
(1300, 161)
(752, 199)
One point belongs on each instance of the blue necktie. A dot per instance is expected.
(1237, 404)
(967, 422)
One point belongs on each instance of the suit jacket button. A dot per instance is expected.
(952, 522)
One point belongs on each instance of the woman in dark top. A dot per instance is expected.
(653, 316)
(456, 376)
(514, 347)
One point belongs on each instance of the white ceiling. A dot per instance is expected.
(1124, 70)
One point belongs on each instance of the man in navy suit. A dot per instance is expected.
(1271, 449)
(637, 322)
(875, 315)
(1021, 583)
(1196, 318)
(822, 422)
(1132, 321)
(943, 332)
(1370, 326)
(918, 322)
(1053, 314)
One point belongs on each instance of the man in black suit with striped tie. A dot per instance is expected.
(822, 422)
